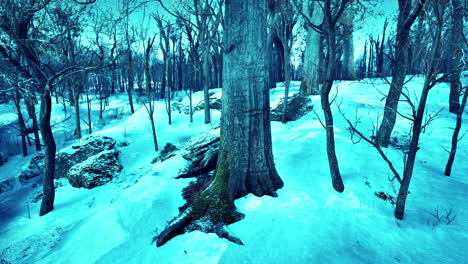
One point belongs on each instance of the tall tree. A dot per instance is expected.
(245, 163)
(455, 56)
(285, 18)
(406, 18)
(349, 71)
(313, 64)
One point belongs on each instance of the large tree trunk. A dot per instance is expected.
(245, 163)
(48, 197)
(349, 72)
(312, 66)
(400, 69)
(456, 55)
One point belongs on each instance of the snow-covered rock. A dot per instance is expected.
(35, 168)
(201, 154)
(167, 152)
(95, 171)
(298, 106)
(80, 152)
(7, 185)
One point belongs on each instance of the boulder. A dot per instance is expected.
(95, 171)
(35, 169)
(298, 106)
(215, 103)
(201, 154)
(80, 152)
(7, 185)
(167, 152)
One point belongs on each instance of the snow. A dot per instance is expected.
(307, 223)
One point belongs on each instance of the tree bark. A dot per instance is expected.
(47, 204)
(456, 131)
(417, 123)
(245, 163)
(349, 72)
(400, 68)
(456, 55)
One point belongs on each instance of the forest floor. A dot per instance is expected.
(307, 223)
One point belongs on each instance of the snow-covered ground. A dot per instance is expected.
(308, 223)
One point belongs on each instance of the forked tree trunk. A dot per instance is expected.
(400, 68)
(48, 197)
(418, 123)
(245, 163)
(337, 181)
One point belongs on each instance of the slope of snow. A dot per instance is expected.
(308, 223)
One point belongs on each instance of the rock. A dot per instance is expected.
(95, 171)
(80, 152)
(201, 154)
(167, 152)
(298, 106)
(7, 185)
(35, 169)
(215, 103)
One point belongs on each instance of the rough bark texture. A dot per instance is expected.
(245, 163)
(400, 68)
(312, 64)
(47, 204)
(456, 55)
(349, 72)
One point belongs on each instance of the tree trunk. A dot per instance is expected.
(76, 97)
(349, 72)
(456, 131)
(130, 81)
(245, 163)
(153, 131)
(400, 69)
(417, 125)
(287, 82)
(48, 197)
(22, 125)
(456, 55)
(310, 75)
(205, 80)
(324, 96)
(32, 114)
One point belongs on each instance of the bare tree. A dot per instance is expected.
(285, 17)
(406, 18)
(456, 133)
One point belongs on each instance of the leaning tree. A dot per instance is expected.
(245, 163)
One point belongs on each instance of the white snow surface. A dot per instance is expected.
(307, 223)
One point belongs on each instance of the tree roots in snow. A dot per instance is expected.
(186, 222)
